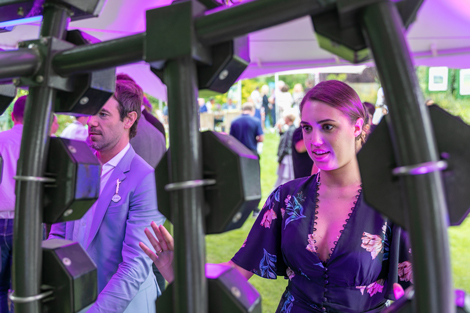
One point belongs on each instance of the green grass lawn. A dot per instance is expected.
(221, 248)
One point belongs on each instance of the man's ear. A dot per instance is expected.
(130, 119)
(358, 126)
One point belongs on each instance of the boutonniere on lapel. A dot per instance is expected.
(117, 197)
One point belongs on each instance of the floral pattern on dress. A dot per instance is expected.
(311, 243)
(288, 303)
(405, 271)
(374, 288)
(294, 209)
(268, 217)
(244, 243)
(290, 273)
(283, 212)
(267, 265)
(386, 243)
(372, 244)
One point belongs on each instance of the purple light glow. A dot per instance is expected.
(460, 298)
(21, 21)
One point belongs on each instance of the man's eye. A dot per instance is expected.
(102, 114)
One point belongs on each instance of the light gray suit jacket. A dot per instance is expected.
(125, 279)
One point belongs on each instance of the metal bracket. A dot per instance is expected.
(34, 179)
(421, 168)
(189, 184)
(40, 296)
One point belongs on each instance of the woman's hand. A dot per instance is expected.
(163, 245)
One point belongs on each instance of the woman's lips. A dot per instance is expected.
(320, 155)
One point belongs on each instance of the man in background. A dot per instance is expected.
(147, 113)
(10, 142)
(77, 130)
(247, 129)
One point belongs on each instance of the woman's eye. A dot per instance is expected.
(327, 126)
(306, 128)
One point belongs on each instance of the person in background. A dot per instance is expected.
(284, 99)
(267, 107)
(300, 160)
(429, 102)
(110, 230)
(202, 106)
(210, 105)
(257, 101)
(10, 142)
(297, 95)
(368, 126)
(77, 129)
(285, 170)
(229, 105)
(379, 105)
(147, 114)
(54, 126)
(247, 129)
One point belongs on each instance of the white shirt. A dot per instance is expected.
(75, 131)
(10, 142)
(82, 226)
(257, 99)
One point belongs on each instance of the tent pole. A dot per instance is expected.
(414, 143)
(185, 164)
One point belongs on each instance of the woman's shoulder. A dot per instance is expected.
(299, 183)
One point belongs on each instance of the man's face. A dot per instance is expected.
(106, 128)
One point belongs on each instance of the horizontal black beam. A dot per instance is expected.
(15, 63)
(223, 24)
(100, 56)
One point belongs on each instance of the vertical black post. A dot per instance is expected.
(190, 287)
(27, 253)
(426, 209)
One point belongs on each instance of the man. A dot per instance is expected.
(77, 130)
(10, 142)
(300, 159)
(247, 129)
(111, 230)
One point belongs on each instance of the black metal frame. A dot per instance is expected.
(410, 128)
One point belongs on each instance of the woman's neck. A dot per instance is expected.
(347, 175)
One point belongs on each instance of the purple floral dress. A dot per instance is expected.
(360, 272)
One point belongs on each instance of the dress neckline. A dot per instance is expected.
(345, 225)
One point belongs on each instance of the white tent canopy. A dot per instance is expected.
(439, 37)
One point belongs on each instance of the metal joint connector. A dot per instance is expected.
(189, 184)
(421, 168)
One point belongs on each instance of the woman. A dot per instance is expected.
(338, 253)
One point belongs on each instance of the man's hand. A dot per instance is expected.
(164, 250)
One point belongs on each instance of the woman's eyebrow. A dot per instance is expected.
(326, 120)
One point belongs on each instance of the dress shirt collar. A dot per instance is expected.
(118, 157)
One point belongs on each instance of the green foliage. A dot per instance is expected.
(341, 77)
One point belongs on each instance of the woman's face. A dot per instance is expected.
(329, 135)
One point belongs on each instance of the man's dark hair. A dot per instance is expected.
(18, 108)
(129, 96)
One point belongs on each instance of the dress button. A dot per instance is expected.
(326, 282)
(326, 290)
(323, 309)
(326, 269)
(326, 276)
(325, 299)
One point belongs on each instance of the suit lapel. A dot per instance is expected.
(108, 192)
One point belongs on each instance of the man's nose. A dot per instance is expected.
(91, 121)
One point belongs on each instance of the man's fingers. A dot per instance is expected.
(168, 238)
(153, 240)
(148, 252)
(159, 235)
